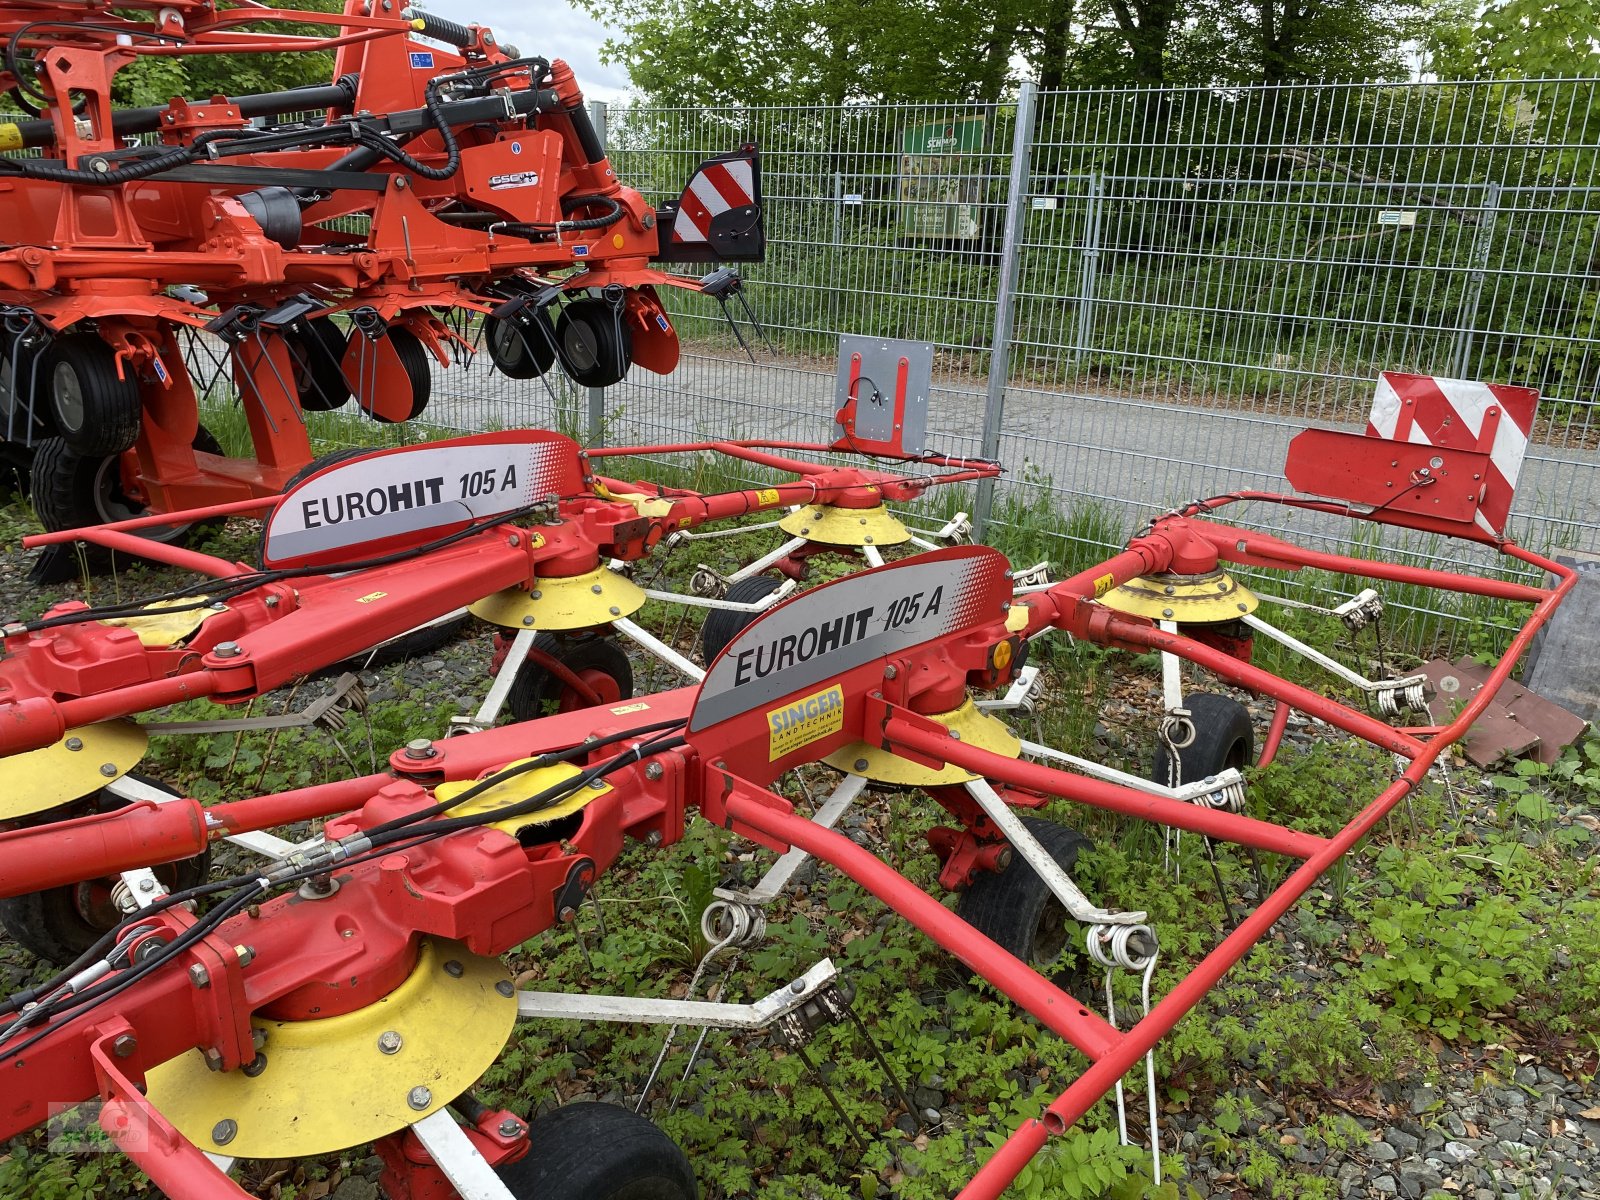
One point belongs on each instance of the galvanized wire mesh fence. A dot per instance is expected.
(1196, 274)
(1137, 296)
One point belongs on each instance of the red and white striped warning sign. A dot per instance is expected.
(715, 189)
(1459, 414)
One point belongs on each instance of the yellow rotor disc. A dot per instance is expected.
(845, 526)
(340, 1081)
(564, 602)
(79, 765)
(976, 728)
(517, 789)
(1187, 599)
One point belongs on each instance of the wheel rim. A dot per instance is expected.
(112, 502)
(1050, 934)
(582, 345)
(67, 391)
(505, 346)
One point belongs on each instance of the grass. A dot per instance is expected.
(1384, 956)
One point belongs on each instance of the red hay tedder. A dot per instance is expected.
(350, 991)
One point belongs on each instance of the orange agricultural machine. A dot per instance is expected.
(319, 243)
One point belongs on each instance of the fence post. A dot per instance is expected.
(1091, 267)
(1481, 245)
(597, 396)
(1000, 345)
(838, 211)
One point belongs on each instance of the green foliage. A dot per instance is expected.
(156, 79)
(1447, 956)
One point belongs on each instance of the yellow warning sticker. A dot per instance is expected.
(10, 136)
(629, 708)
(370, 597)
(767, 496)
(804, 721)
(1103, 585)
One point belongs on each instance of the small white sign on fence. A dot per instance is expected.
(1398, 217)
(1044, 203)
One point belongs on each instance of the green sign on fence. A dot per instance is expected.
(939, 180)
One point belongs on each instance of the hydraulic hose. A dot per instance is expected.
(128, 122)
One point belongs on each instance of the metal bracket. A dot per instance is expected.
(455, 1155)
(1057, 880)
(1018, 695)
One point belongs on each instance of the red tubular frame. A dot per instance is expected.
(1054, 1008)
(499, 909)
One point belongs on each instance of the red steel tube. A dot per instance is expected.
(1280, 722)
(1029, 1138)
(1114, 797)
(158, 693)
(185, 516)
(172, 556)
(301, 804)
(1054, 1008)
(44, 856)
(1247, 676)
(1258, 545)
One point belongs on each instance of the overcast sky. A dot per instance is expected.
(548, 28)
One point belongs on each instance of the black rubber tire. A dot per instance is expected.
(94, 411)
(70, 490)
(723, 625)
(534, 690)
(317, 348)
(1223, 737)
(595, 343)
(59, 924)
(599, 1152)
(1015, 908)
(521, 349)
(414, 358)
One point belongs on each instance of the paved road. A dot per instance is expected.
(1132, 452)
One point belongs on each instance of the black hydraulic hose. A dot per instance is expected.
(130, 122)
(587, 137)
(428, 25)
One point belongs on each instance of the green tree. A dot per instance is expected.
(1528, 39)
(156, 79)
(818, 51)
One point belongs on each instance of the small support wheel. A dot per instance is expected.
(414, 359)
(599, 1152)
(95, 406)
(595, 343)
(521, 348)
(58, 924)
(724, 624)
(1223, 738)
(598, 663)
(1015, 908)
(317, 349)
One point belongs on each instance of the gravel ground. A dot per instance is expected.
(1459, 1127)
